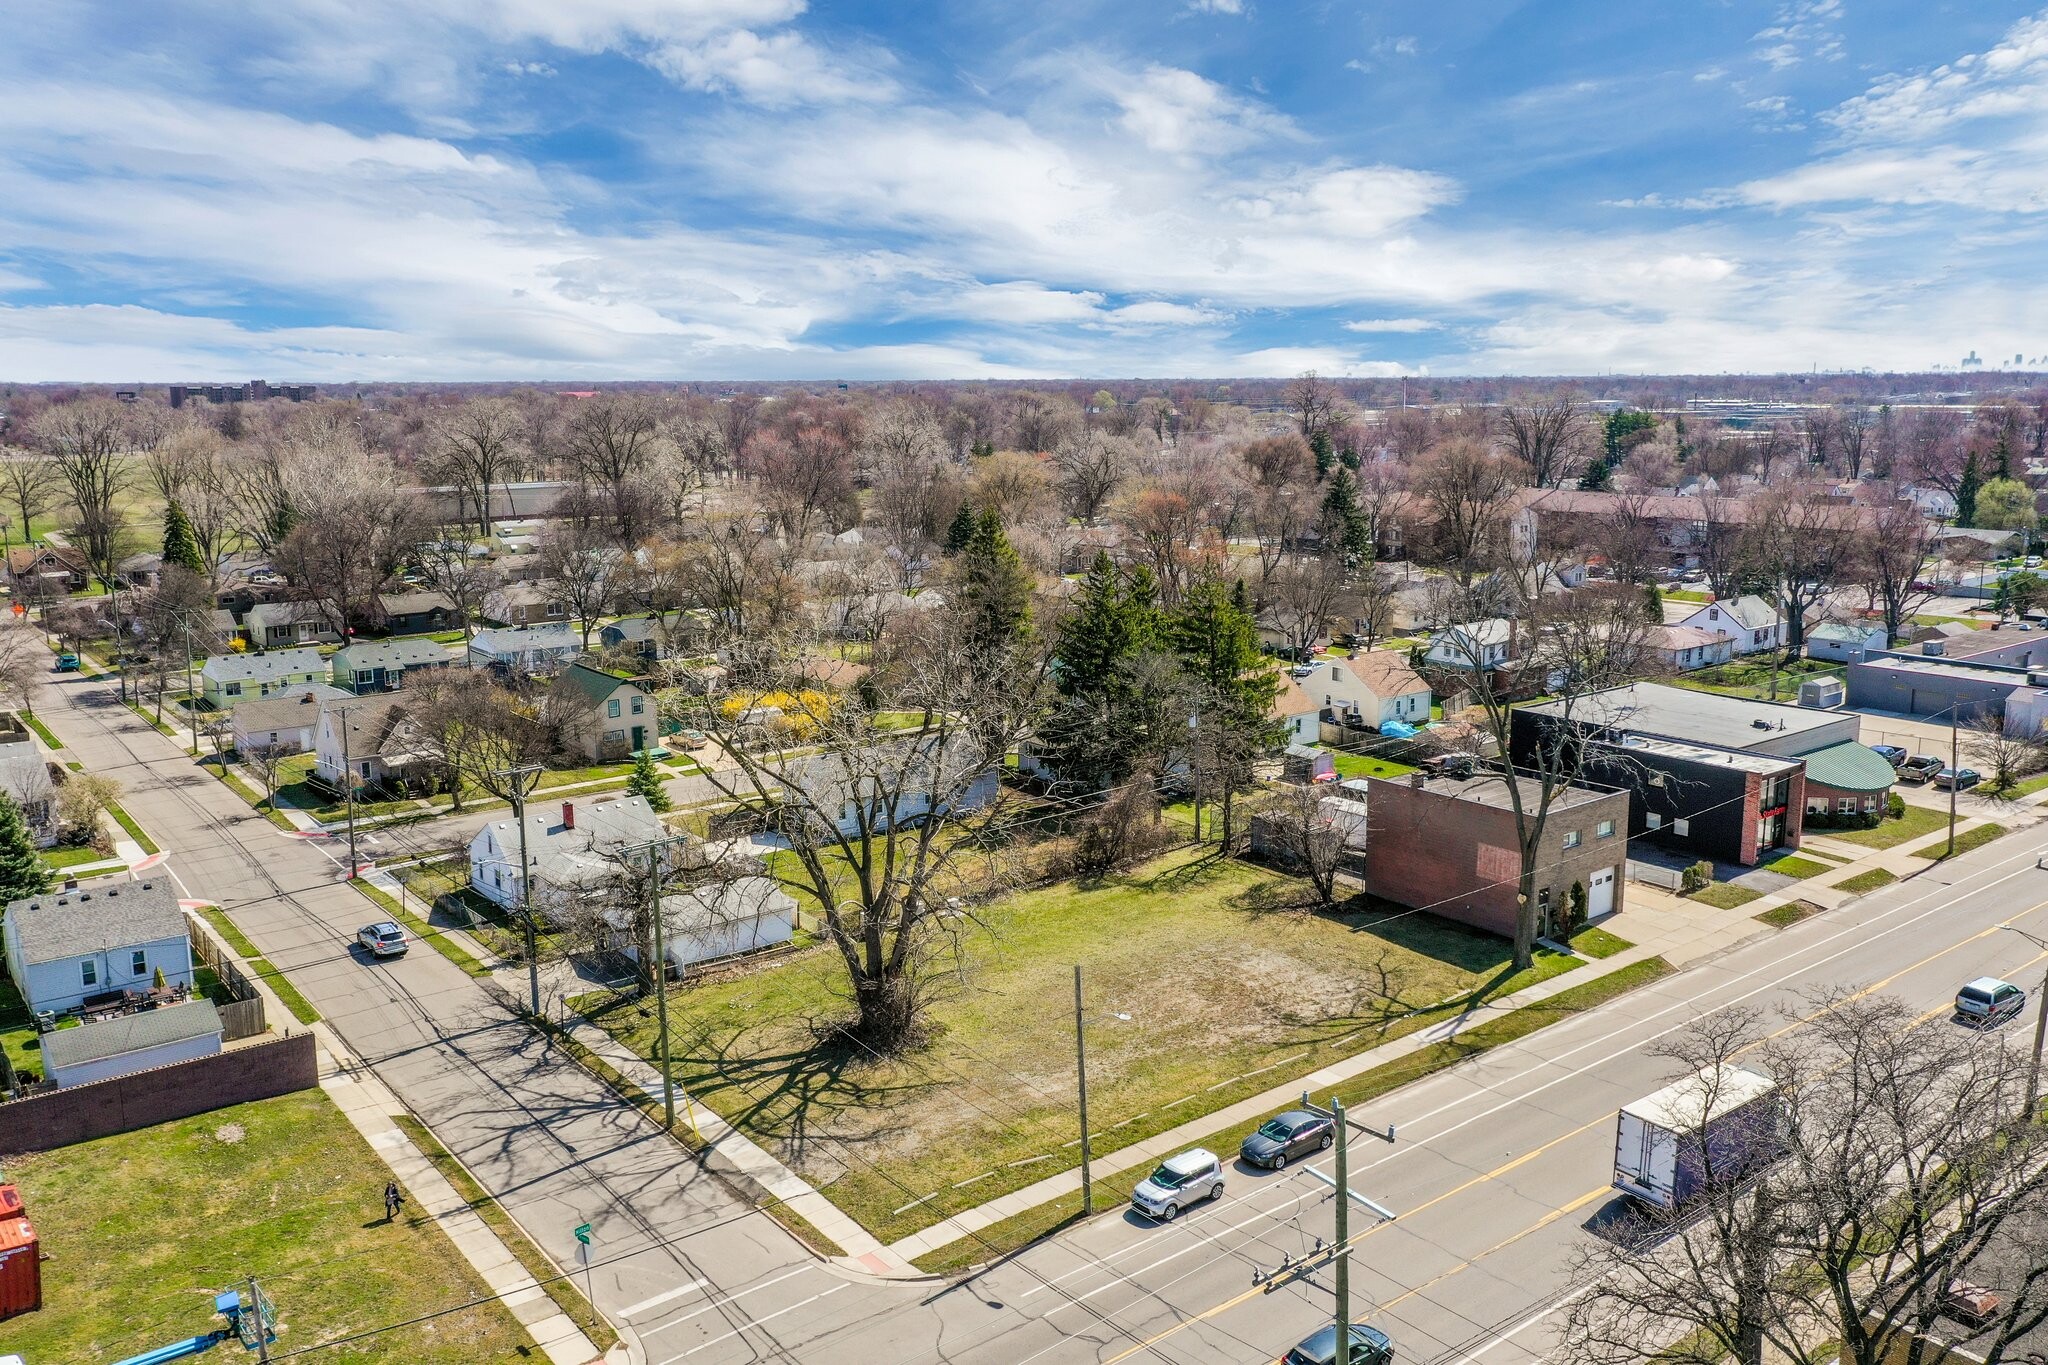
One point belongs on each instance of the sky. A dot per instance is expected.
(767, 189)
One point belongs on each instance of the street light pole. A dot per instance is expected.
(1081, 1063)
(515, 779)
(1955, 780)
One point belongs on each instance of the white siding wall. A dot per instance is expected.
(163, 1054)
(59, 986)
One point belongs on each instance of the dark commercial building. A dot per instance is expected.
(1448, 845)
(1720, 804)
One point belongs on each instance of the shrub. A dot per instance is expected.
(1696, 878)
(1895, 806)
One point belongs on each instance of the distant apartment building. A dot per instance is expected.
(255, 391)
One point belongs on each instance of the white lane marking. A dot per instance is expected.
(750, 1326)
(1530, 1321)
(729, 1298)
(660, 1299)
(1096, 1263)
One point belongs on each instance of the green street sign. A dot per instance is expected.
(583, 1233)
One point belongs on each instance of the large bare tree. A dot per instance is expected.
(1544, 435)
(477, 447)
(355, 525)
(88, 442)
(30, 484)
(1464, 497)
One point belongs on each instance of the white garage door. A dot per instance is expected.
(1600, 895)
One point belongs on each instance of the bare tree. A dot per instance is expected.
(612, 441)
(1304, 595)
(475, 729)
(29, 483)
(2008, 752)
(24, 665)
(355, 526)
(1544, 435)
(267, 762)
(1802, 541)
(1627, 535)
(1093, 465)
(1893, 549)
(1315, 404)
(1853, 430)
(590, 570)
(1308, 840)
(479, 445)
(87, 441)
(451, 570)
(1464, 498)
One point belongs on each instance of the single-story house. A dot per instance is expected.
(25, 777)
(658, 638)
(141, 571)
(723, 919)
(279, 625)
(369, 666)
(524, 649)
(1843, 643)
(524, 604)
(228, 680)
(372, 740)
(1484, 644)
(67, 947)
(1368, 690)
(47, 570)
(416, 612)
(570, 851)
(1681, 649)
(933, 780)
(1752, 623)
(601, 715)
(284, 724)
(1298, 712)
(121, 1046)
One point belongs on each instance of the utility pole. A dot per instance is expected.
(668, 1084)
(1081, 1062)
(1955, 780)
(1343, 1269)
(191, 701)
(262, 1327)
(2040, 1028)
(348, 786)
(517, 788)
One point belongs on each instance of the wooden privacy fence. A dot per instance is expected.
(242, 1016)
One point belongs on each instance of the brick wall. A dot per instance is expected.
(60, 1118)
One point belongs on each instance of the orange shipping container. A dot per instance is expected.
(21, 1268)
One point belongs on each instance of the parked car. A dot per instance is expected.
(1181, 1180)
(383, 939)
(1285, 1136)
(1369, 1346)
(68, 663)
(1987, 1002)
(1961, 781)
(1919, 768)
(1890, 753)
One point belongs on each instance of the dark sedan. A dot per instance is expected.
(1285, 1136)
(1890, 753)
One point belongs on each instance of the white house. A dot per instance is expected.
(286, 724)
(1684, 648)
(569, 850)
(722, 919)
(1752, 623)
(67, 947)
(892, 787)
(1370, 689)
(133, 1042)
(524, 649)
(1488, 644)
(1844, 643)
(1297, 711)
(228, 680)
(371, 739)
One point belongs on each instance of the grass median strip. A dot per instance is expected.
(44, 731)
(1006, 1236)
(425, 932)
(1867, 881)
(1786, 915)
(557, 1282)
(133, 830)
(301, 1008)
(1967, 840)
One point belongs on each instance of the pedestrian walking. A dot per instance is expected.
(394, 1200)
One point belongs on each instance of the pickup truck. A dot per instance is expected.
(1920, 768)
(1722, 1117)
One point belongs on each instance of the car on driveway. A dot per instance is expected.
(1961, 781)
(1988, 1002)
(1919, 768)
(1286, 1136)
(1181, 1180)
(383, 939)
(1890, 753)
(1369, 1346)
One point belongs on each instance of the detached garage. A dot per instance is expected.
(133, 1042)
(725, 919)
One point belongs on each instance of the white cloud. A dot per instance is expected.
(1216, 6)
(1405, 45)
(1179, 113)
(1802, 30)
(776, 71)
(1160, 313)
(1391, 325)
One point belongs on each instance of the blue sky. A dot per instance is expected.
(592, 189)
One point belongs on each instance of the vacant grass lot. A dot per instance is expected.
(1917, 822)
(1753, 678)
(1358, 765)
(282, 1189)
(1227, 995)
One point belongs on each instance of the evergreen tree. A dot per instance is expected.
(22, 872)
(1345, 527)
(1966, 492)
(1594, 480)
(1110, 623)
(646, 781)
(181, 547)
(1217, 641)
(1623, 423)
(994, 589)
(2001, 458)
(1326, 457)
(1653, 603)
(1347, 455)
(961, 531)
(1098, 731)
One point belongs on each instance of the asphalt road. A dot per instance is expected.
(1502, 1164)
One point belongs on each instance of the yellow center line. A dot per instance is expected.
(1603, 1192)
(1584, 1199)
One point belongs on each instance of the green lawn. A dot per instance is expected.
(282, 1189)
(57, 859)
(1358, 765)
(2025, 787)
(134, 831)
(1019, 1229)
(1752, 679)
(1593, 941)
(1792, 865)
(1967, 840)
(1915, 823)
(1788, 914)
(1229, 994)
(1867, 881)
(43, 730)
(258, 965)
(1725, 896)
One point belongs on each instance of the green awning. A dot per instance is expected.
(1849, 767)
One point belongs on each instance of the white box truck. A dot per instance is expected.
(1722, 1117)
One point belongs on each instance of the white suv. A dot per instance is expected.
(1180, 1181)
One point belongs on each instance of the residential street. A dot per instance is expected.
(1500, 1163)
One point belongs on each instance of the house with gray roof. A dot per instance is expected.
(1752, 623)
(66, 947)
(381, 665)
(280, 625)
(284, 724)
(570, 850)
(524, 649)
(417, 612)
(121, 1046)
(228, 680)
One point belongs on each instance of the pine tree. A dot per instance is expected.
(1326, 458)
(646, 781)
(1345, 527)
(994, 590)
(961, 531)
(1108, 626)
(1218, 645)
(181, 546)
(22, 872)
(1594, 480)
(1098, 732)
(2001, 458)
(1653, 604)
(1966, 491)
